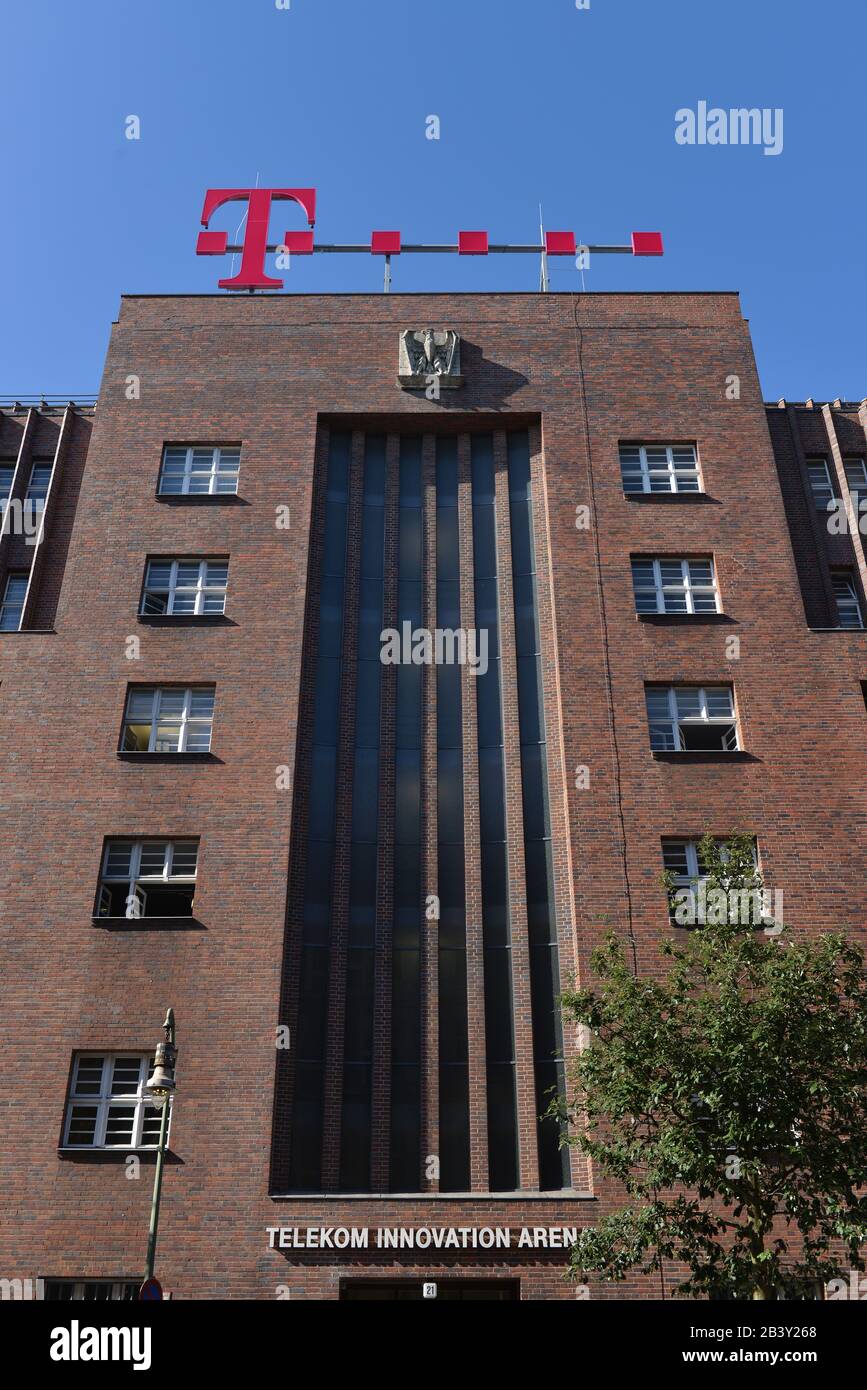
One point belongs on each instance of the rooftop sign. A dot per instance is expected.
(251, 274)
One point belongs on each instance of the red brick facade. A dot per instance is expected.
(274, 375)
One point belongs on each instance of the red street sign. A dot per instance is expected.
(151, 1289)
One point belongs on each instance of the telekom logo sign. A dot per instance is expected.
(255, 246)
(251, 275)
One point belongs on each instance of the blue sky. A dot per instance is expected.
(538, 101)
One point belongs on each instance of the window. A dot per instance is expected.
(681, 859)
(107, 1108)
(848, 602)
(168, 719)
(691, 718)
(659, 468)
(12, 606)
(189, 587)
(820, 483)
(148, 878)
(37, 488)
(92, 1290)
(674, 586)
(6, 474)
(856, 477)
(199, 471)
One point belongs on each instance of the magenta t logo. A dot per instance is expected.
(251, 275)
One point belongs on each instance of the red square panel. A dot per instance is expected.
(473, 243)
(299, 243)
(560, 243)
(385, 244)
(647, 243)
(211, 243)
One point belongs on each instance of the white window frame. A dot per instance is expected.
(659, 463)
(855, 468)
(9, 604)
(687, 586)
(37, 503)
(676, 719)
(219, 470)
(137, 882)
(851, 600)
(822, 489)
(106, 1101)
(186, 722)
(695, 875)
(6, 491)
(201, 588)
(122, 1290)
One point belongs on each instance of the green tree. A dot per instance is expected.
(728, 1099)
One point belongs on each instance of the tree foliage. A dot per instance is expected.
(728, 1099)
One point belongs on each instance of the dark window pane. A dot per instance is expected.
(499, 1036)
(331, 617)
(337, 487)
(368, 676)
(530, 700)
(372, 540)
(502, 1129)
(407, 798)
(310, 1038)
(447, 472)
(518, 449)
(406, 1007)
(487, 614)
(409, 704)
(534, 778)
(452, 894)
(482, 467)
(410, 549)
(492, 821)
(408, 908)
(494, 900)
(323, 766)
(545, 988)
(362, 894)
(448, 603)
(453, 1005)
(484, 543)
(355, 1130)
(488, 707)
(365, 794)
(447, 543)
(405, 1129)
(409, 603)
(317, 894)
(553, 1161)
(522, 550)
(540, 890)
(327, 708)
(358, 1035)
(374, 469)
(305, 1153)
(334, 548)
(449, 709)
(454, 1130)
(410, 471)
(370, 619)
(526, 616)
(450, 796)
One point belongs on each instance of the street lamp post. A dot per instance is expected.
(160, 1087)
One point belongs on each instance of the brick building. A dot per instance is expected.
(361, 885)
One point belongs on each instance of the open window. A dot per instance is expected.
(148, 878)
(691, 719)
